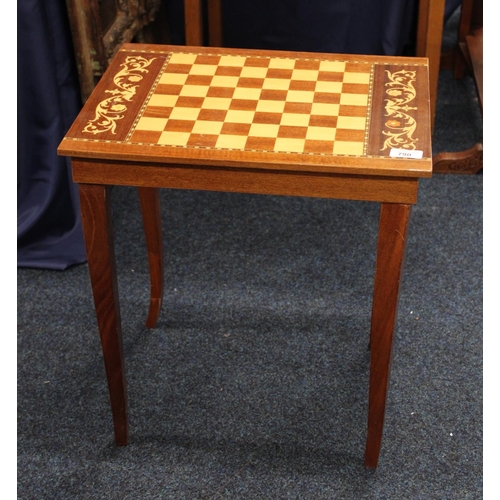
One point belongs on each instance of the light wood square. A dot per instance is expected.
(354, 99)
(147, 123)
(194, 91)
(237, 61)
(173, 78)
(356, 77)
(295, 119)
(206, 127)
(271, 106)
(231, 141)
(182, 58)
(309, 75)
(174, 138)
(165, 100)
(300, 96)
(184, 114)
(253, 72)
(203, 69)
(348, 148)
(263, 130)
(319, 108)
(276, 84)
(321, 133)
(281, 63)
(289, 145)
(216, 103)
(332, 66)
(224, 81)
(239, 116)
(332, 87)
(246, 93)
(351, 122)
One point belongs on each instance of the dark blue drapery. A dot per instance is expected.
(385, 27)
(49, 233)
(340, 26)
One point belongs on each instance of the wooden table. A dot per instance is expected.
(264, 122)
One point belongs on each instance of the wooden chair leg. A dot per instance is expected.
(95, 202)
(429, 41)
(214, 23)
(393, 227)
(193, 22)
(150, 207)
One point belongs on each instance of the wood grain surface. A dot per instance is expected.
(229, 107)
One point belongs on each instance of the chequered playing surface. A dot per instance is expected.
(258, 104)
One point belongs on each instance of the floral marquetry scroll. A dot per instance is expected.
(400, 125)
(263, 105)
(399, 107)
(112, 109)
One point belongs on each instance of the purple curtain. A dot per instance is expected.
(49, 233)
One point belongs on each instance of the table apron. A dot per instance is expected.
(247, 180)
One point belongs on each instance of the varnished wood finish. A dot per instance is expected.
(193, 22)
(469, 161)
(215, 23)
(254, 181)
(474, 42)
(95, 202)
(150, 207)
(336, 136)
(123, 137)
(392, 236)
(471, 19)
(466, 55)
(429, 41)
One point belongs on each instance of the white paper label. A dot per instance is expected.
(406, 153)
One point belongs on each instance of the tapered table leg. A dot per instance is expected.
(393, 227)
(150, 207)
(95, 202)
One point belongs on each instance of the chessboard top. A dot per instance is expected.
(264, 109)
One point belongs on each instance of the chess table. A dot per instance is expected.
(264, 122)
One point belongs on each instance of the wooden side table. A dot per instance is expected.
(265, 122)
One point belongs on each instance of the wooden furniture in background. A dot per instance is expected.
(194, 22)
(474, 44)
(465, 58)
(99, 28)
(429, 40)
(264, 122)
(470, 26)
